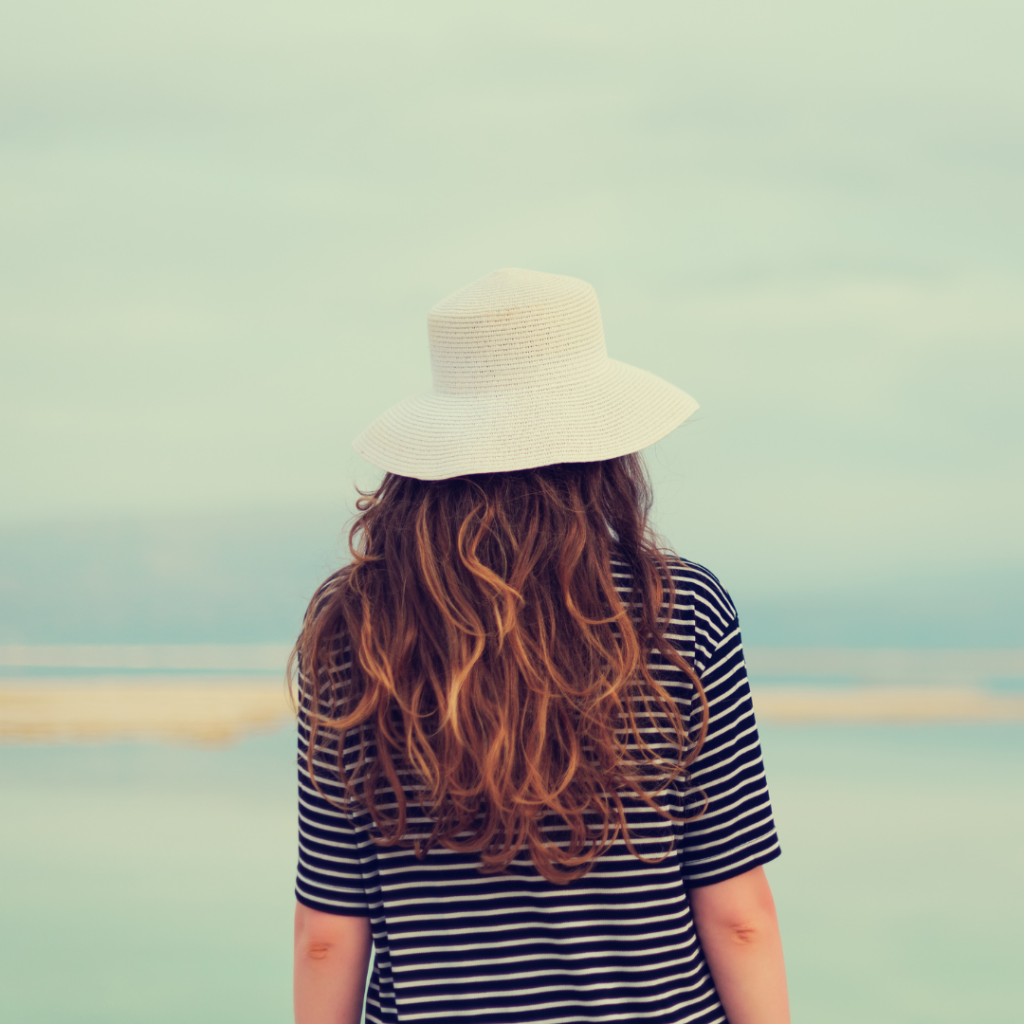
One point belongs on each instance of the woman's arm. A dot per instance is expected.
(331, 955)
(739, 931)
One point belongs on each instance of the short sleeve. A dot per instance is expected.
(736, 832)
(333, 852)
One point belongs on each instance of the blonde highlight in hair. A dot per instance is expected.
(477, 653)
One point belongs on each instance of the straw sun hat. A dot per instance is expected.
(521, 379)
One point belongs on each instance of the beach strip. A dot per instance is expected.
(178, 713)
(213, 713)
(881, 704)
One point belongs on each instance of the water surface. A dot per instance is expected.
(142, 884)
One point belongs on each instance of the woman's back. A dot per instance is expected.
(618, 943)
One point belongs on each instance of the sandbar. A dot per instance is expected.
(181, 713)
(881, 704)
(219, 713)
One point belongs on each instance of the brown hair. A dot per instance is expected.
(477, 646)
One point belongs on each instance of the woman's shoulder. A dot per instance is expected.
(703, 613)
(326, 591)
(695, 584)
(699, 585)
(704, 606)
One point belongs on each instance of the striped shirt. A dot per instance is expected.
(618, 944)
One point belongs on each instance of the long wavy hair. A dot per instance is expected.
(483, 666)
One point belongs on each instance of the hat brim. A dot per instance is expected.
(436, 436)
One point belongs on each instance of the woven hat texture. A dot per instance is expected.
(521, 378)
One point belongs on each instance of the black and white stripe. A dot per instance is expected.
(618, 944)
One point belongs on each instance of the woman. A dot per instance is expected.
(529, 773)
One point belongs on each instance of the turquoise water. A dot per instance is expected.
(142, 884)
(900, 889)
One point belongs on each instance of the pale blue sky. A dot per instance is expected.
(222, 224)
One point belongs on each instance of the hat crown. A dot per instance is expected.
(516, 329)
